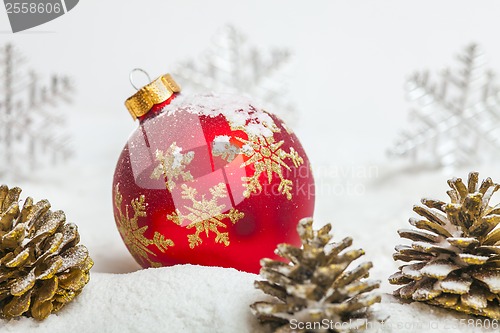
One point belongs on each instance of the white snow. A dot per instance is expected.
(174, 299)
(200, 299)
(222, 147)
(418, 317)
(474, 300)
(222, 138)
(439, 269)
(247, 149)
(492, 280)
(255, 120)
(178, 156)
(412, 271)
(458, 286)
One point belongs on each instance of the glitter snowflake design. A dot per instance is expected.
(222, 148)
(456, 121)
(133, 236)
(206, 215)
(267, 158)
(232, 65)
(172, 165)
(30, 125)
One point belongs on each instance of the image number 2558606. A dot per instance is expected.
(24, 15)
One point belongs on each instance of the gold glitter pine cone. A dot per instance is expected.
(41, 266)
(454, 259)
(316, 284)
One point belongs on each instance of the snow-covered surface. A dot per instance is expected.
(418, 317)
(174, 299)
(203, 299)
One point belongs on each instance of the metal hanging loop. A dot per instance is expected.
(131, 76)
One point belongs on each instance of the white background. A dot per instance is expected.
(351, 59)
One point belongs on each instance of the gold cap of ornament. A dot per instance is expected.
(156, 92)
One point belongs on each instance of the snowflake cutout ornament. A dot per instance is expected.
(455, 120)
(232, 65)
(30, 125)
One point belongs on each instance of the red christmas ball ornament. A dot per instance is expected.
(208, 179)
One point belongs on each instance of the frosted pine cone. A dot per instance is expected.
(41, 266)
(315, 286)
(454, 259)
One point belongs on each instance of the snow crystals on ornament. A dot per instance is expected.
(172, 165)
(265, 154)
(222, 147)
(232, 65)
(240, 112)
(206, 215)
(455, 121)
(133, 235)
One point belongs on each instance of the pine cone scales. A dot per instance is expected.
(454, 259)
(41, 266)
(315, 285)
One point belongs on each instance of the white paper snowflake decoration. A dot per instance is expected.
(455, 120)
(31, 129)
(233, 65)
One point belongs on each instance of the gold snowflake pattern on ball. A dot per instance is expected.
(268, 157)
(133, 236)
(172, 165)
(206, 215)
